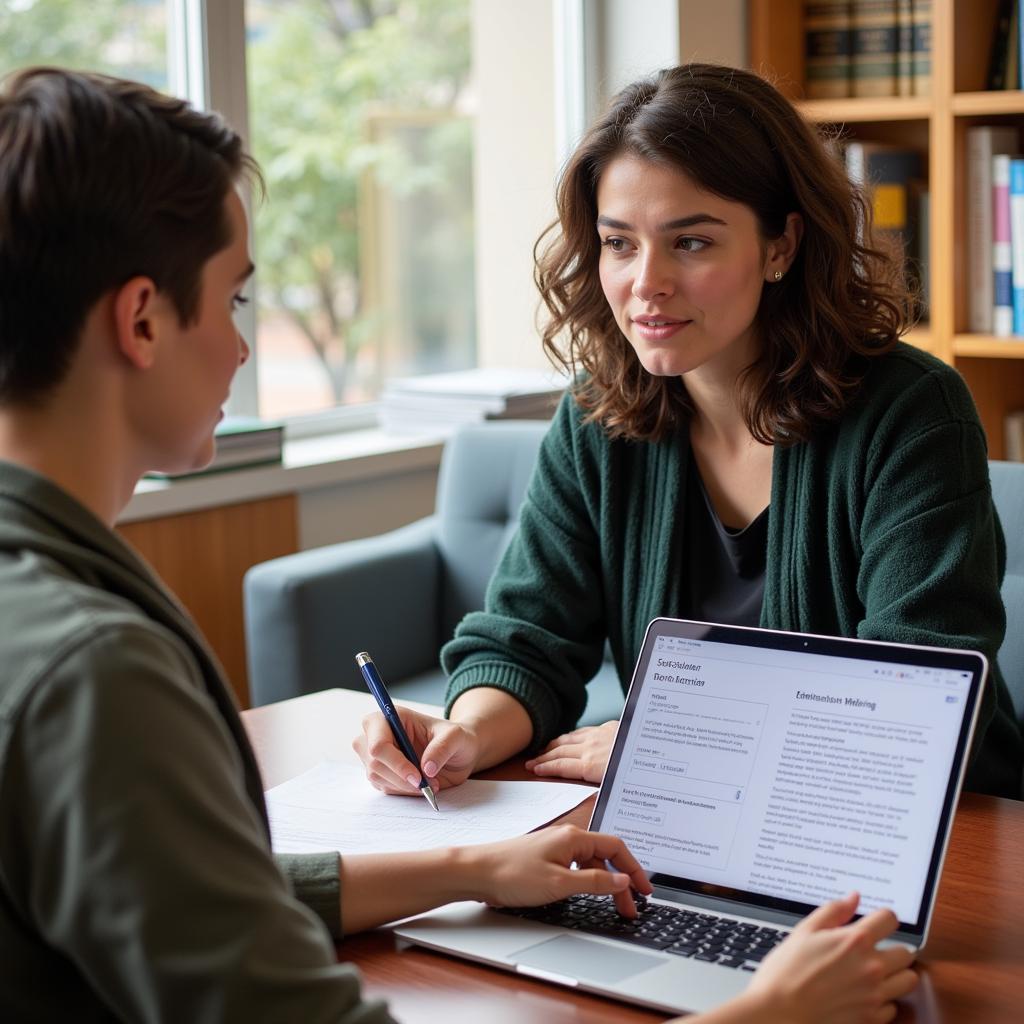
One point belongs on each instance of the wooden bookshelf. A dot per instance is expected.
(962, 32)
(858, 111)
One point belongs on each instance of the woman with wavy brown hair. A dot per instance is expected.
(747, 440)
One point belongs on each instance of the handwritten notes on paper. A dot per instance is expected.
(333, 807)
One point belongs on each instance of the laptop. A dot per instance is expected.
(755, 774)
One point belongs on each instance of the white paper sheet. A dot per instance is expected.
(333, 807)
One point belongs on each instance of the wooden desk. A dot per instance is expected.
(972, 971)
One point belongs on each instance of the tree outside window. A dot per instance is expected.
(364, 248)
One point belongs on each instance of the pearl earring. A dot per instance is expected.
(778, 275)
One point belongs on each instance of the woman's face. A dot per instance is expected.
(682, 269)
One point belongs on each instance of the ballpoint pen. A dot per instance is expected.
(380, 693)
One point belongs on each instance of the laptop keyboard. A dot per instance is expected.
(688, 933)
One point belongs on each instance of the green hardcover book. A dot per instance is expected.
(827, 48)
(875, 45)
(905, 48)
(921, 64)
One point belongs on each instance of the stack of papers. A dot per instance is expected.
(333, 807)
(442, 401)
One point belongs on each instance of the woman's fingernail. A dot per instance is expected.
(430, 769)
(412, 780)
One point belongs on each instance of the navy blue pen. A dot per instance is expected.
(380, 694)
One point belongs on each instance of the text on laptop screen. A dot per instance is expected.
(795, 775)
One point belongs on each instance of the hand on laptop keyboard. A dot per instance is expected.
(827, 972)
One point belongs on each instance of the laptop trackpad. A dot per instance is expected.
(581, 958)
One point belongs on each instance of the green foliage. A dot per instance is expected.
(122, 37)
(317, 85)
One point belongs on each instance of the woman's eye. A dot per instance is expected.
(238, 301)
(691, 244)
(615, 244)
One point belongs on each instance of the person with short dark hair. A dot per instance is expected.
(747, 440)
(136, 875)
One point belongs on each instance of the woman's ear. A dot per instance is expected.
(138, 313)
(782, 251)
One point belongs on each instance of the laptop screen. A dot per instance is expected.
(783, 770)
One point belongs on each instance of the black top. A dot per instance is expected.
(724, 574)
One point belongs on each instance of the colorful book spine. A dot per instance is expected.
(1002, 255)
(905, 48)
(1017, 241)
(983, 143)
(828, 47)
(875, 44)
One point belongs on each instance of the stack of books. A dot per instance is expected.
(868, 48)
(241, 441)
(439, 402)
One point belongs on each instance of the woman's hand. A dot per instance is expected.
(825, 972)
(537, 869)
(580, 754)
(448, 752)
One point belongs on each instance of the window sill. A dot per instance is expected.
(309, 463)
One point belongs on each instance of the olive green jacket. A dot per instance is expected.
(136, 879)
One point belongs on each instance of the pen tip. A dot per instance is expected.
(431, 799)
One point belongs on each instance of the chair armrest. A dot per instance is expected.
(308, 614)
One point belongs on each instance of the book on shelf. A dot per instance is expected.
(1002, 253)
(827, 48)
(240, 442)
(1017, 240)
(921, 47)
(1013, 436)
(983, 143)
(886, 174)
(1012, 76)
(921, 207)
(441, 401)
(875, 39)
(905, 48)
(999, 51)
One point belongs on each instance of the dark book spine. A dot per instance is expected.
(875, 45)
(827, 48)
(905, 48)
(921, 47)
(1000, 46)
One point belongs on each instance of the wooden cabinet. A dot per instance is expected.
(202, 557)
(962, 32)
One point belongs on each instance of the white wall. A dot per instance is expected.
(365, 508)
(514, 171)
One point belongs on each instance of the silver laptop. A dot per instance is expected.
(755, 774)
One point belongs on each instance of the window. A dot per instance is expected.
(119, 37)
(358, 115)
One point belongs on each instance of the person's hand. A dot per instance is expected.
(580, 754)
(824, 972)
(537, 869)
(448, 752)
